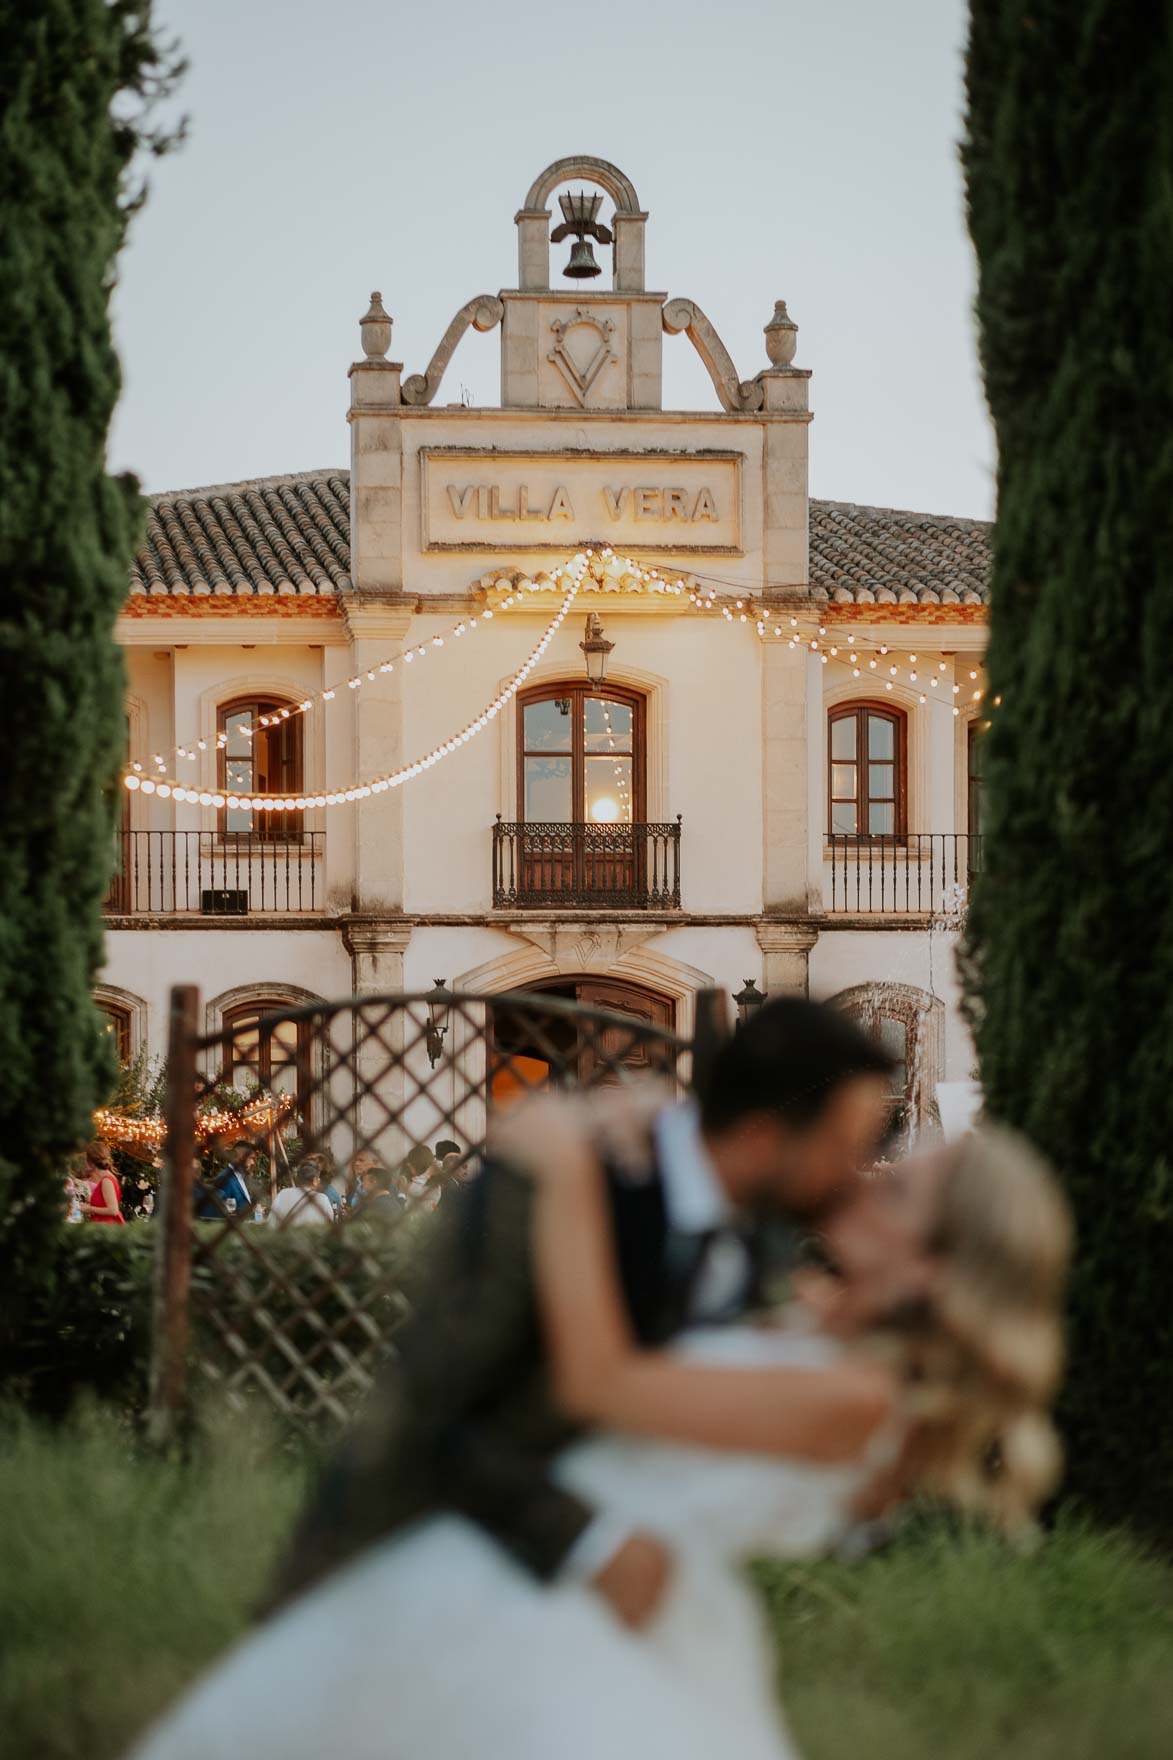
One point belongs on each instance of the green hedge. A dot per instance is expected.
(88, 1327)
(87, 1324)
(1068, 157)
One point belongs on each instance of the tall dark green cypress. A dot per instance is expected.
(67, 532)
(1069, 955)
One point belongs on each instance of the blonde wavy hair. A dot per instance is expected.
(982, 1355)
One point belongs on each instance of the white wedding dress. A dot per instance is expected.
(434, 1645)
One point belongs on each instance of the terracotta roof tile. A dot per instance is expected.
(869, 554)
(276, 535)
(292, 535)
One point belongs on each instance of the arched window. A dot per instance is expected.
(867, 772)
(260, 760)
(581, 756)
(118, 1025)
(908, 1024)
(274, 1055)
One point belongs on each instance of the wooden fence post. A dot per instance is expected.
(170, 1317)
(713, 1026)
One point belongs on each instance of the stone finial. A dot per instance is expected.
(781, 336)
(375, 328)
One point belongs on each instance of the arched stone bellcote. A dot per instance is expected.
(533, 222)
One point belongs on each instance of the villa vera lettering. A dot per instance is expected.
(487, 501)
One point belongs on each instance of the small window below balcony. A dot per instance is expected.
(867, 765)
(261, 753)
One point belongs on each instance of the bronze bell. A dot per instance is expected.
(582, 265)
(580, 216)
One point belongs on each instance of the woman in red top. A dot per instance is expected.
(105, 1203)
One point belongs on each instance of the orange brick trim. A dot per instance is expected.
(291, 605)
(918, 614)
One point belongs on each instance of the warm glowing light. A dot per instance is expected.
(605, 811)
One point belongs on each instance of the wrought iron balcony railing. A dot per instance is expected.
(926, 872)
(158, 873)
(621, 867)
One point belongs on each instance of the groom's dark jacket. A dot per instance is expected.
(462, 1417)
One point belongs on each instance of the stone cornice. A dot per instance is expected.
(785, 937)
(372, 618)
(375, 935)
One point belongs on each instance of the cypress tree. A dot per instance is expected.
(71, 71)
(1069, 950)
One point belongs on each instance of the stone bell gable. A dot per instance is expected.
(729, 482)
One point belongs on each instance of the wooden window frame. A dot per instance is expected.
(245, 1013)
(858, 710)
(974, 780)
(119, 1017)
(579, 691)
(267, 827)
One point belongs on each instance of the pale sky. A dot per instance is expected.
(795, 149)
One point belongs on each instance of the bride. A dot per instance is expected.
(936, 1350)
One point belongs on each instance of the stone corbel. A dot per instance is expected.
(737, 395)
(484, 312)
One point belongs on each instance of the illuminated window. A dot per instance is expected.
(117, 1022)
(261, 1052)
(265, 760)
(581, 756)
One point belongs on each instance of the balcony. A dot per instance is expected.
(200, 873)
(602, 867)
(925, 873)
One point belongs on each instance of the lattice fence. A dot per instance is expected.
(299, 1316)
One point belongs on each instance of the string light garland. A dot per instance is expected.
(168, 788)
(262, 1114)
(620, 574)
(406, 656)
(614, 573)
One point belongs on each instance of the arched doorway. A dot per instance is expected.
(531, 1052)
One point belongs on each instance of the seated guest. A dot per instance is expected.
(363, 1161)
(302, 1204)
(380, 1199)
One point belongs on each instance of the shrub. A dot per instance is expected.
(1069, 952)
(66, 539)
(88, 1323)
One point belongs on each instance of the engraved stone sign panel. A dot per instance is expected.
(479, 499)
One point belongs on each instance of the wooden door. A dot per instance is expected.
(635, 1056)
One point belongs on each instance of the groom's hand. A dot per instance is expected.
(633, 1579)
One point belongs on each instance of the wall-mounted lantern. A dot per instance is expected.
(596, 648)
(748, 1001)
(437, 1027)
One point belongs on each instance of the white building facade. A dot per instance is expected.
(775, 779)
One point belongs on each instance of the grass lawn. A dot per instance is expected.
(121, 1576)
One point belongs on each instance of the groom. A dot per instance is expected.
(463, 1417)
